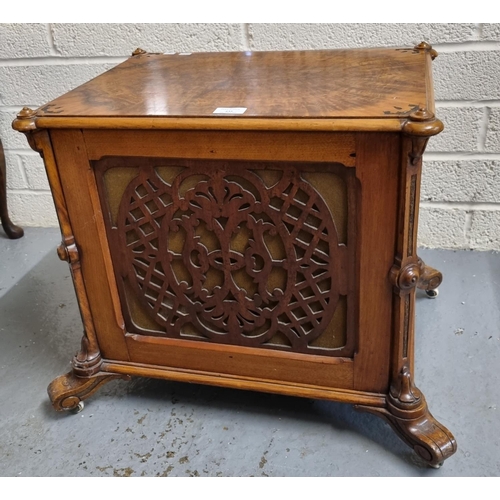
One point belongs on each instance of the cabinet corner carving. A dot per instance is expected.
(424, 46)
(138, 52)
(88, 360)
(403, 393)
(421, 125)
(405, 278)
(25, 122)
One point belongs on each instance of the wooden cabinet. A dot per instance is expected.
(248, 220)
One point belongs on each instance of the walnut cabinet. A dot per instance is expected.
(248, 220)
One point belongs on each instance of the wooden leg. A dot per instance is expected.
(429, 280)
(12, 231)
(407, 412)
(67, 392)
(431, 440)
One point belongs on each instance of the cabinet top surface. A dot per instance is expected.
(335, 84)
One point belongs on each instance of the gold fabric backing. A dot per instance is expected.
(330, 186)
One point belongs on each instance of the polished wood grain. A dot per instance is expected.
(95, 300)
(223, 145)
(263, 124)
(406, 409)
(377, 232)
(174, 220)
(321, 372)
(363, 83)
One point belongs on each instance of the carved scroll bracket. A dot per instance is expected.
(68, 392)
(87, 361)
(430, 278)
(414, 274)
(421, 125)
(405, 278)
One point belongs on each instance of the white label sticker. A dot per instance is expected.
(230, 111)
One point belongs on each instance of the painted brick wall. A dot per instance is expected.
(460, 206)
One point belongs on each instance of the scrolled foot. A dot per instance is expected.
(67, 392)
(431, 440)
(429, 280)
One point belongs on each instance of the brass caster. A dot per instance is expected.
(436, 466)
(79, 407)
(432, 294)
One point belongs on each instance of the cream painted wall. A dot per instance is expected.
(460, 205)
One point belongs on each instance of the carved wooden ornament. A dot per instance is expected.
(237, 261)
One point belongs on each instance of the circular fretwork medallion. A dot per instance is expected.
(223, 255)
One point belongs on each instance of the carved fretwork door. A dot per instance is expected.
(252, 254)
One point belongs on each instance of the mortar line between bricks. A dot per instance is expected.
(483, 129)
(438, 155)
(61, 61)
(465, 103)
(15, 109)
(50, 39)
(467, 227)
(473, 46)
(459, 205)
(22, 152)
(245, 36)
(478, 30)
(37, 192)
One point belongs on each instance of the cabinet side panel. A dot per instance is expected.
(377, 168)
(74, 171)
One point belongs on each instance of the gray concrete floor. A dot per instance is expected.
(149, 427)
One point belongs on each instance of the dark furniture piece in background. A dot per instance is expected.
(12, 231)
